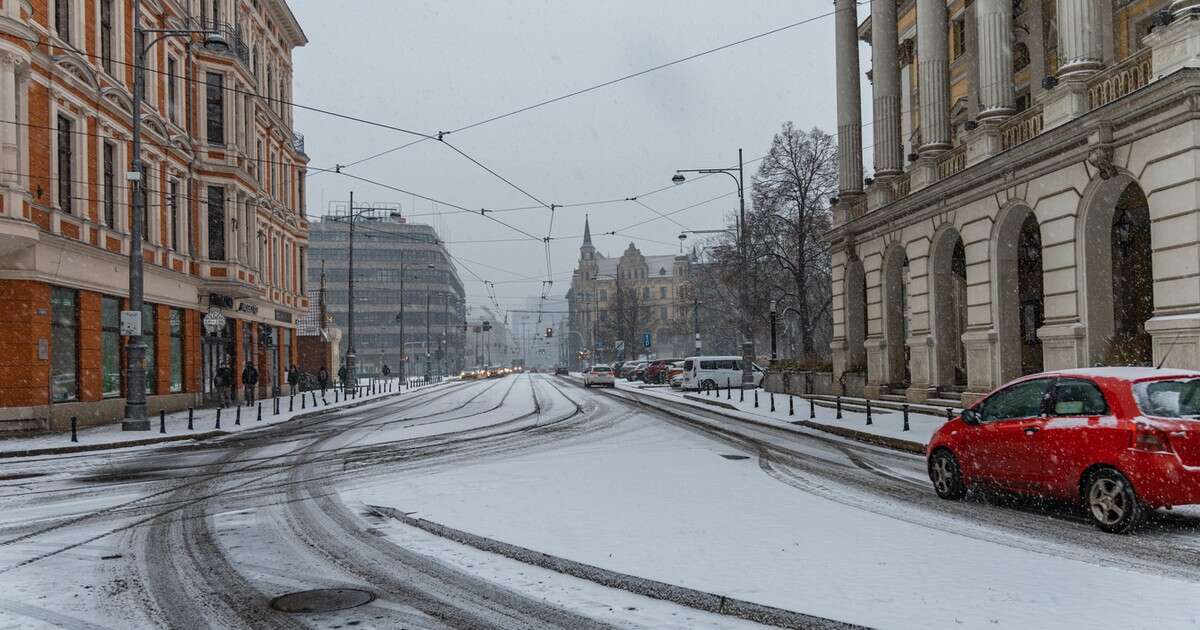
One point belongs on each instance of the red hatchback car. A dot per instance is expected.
(1123, 441)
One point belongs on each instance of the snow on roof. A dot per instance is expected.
(1127, 373)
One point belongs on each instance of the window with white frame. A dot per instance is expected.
(108, 45)
(65, 158)
(64, 13)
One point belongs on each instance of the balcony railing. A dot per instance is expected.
(1021, 128)
(902, 185)
(233, 36)
(1133, 73)
(952, 161)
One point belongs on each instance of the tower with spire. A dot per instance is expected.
(587, 252)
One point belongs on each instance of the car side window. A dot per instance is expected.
(1077, 397)
(707, 365)
(1023, 400)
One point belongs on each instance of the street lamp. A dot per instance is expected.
(135, 370)
(774, 355)
(743, 289)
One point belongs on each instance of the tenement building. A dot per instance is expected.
(614, 302)
(224, 245)
(1033, 202)
(400, 268)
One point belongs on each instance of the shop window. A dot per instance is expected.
(64, 344)
(176, 323)
(110, 346)
(151, 344)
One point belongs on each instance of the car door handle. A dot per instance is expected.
(1031, 430)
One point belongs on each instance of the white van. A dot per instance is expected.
(712, 372)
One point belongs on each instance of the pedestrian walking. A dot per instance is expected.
(342, 375)
(224, 382)
(323, 379)
(293, 378)
(250, 381)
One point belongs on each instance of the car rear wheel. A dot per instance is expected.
(946, 476)
(1111, 501)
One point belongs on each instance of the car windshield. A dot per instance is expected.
(1173, 398)
(600, 368)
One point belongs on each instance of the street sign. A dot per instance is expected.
(620, 345)
(214, 321)
(131, 323)
(646, 340)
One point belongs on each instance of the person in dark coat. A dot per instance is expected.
(342, 375)
(224, 382)
(250, 382)
(323, 379)
(293, 378)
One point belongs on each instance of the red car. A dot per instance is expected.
(656, 372)
(1122, 441)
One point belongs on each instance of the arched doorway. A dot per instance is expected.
(1119, 274)
(1019, 299)
(895, 316)
(948, 262)
(856, 316)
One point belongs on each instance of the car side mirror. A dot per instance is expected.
(970, 416)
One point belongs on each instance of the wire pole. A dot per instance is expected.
(135, 401)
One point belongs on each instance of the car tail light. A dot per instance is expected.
(1151, 439)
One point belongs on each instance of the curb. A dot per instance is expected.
(692, 598)
(203, 435)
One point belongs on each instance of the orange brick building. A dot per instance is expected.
(226, 238)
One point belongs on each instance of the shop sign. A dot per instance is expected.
(283, 316)
(214, 321)
(223, 301)
(246, 307)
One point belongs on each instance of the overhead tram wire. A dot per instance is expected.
(604, 84)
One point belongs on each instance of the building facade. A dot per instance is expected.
(399, 267)
(621, 299)
(1033, 203)
(225, 234)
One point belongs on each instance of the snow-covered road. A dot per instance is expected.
(205, 535)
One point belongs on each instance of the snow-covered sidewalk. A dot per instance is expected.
(204, 422)
(888, 423)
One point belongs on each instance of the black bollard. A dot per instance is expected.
(839, 408)
(791, 405)
(741, 394)
(275, 409)
(303, 402)
(324, 401)
(314, 395)
(259, 418)
(74, 429)
(162, 421)
(218, 425)
(905, 410)
(812, 408)
(868, 412)
(291, 403)
(772, 402)
(237, 416)
(756, 399)
(336, 396)
(190, 428)
(728, 390)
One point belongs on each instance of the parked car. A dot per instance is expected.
(617, 366)
(599, 375)
(639, 371)
(713, 372)
(1121, 441)
(656, 371)
(628, 369)
(675, 374)
(560, 370)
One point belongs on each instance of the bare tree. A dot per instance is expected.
(791, 213)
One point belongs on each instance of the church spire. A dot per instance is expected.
(587, 232)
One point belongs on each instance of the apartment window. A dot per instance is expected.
(148, 340)
(62, 19)
(110, 346)
(645, 293)
(300, 202)
(215, 12)
(216, 223)
(258, 172)
(176, 322)
(958, 38)
(173, 212)
(110, 185)
(172, 88)
(216, 108)
(64, 344)
(662, 312)
(65, 163)
(106, 34)
(662, 292)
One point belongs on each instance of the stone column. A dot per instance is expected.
(885, 68)
(1080, 43)
(933, 73)
(849, 99)
(993, 22)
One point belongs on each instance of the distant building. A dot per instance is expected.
(385, 247)
(614, 302)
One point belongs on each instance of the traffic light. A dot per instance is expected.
(487, 326)
(549, 332)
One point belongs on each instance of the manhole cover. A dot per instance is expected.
(322, 600)
(735, 456)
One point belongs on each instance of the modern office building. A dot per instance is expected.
(398, 267)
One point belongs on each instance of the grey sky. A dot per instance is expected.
(439, 64)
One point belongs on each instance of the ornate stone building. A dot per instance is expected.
(613, 299)
(1034, 202)
(225, 229)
